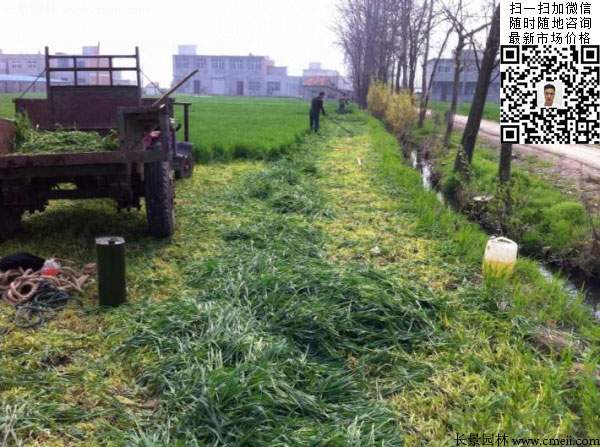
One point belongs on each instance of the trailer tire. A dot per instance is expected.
(10, 222)
(160, 194)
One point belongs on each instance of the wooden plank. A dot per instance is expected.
(17, 161)
(62, 173)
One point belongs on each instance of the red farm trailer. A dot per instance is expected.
(94, 98)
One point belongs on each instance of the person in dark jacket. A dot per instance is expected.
(316, 108)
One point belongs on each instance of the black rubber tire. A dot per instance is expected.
(10, 222)
(160, 194)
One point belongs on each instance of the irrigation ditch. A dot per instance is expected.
(576, 280)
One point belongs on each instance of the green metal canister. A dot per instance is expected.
(112, 288)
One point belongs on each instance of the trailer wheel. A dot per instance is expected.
(160, 212)
(10, 222)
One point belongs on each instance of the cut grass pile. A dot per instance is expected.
(32, 141)
(490, 112)
(271, 320)
(224, 128)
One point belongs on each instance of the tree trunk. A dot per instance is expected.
(422, 109)
(455, 88)
(427, 93)
(485, 73)
(505, 162)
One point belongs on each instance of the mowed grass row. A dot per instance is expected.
(62, 384)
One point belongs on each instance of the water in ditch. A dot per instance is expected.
(573, 284)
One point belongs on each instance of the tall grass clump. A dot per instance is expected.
(396, 110)
(400, 115)
(378, 98)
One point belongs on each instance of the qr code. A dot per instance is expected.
(550, 95)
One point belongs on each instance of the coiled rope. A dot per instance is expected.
(37, 297)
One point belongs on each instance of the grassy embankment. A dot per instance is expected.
(548, 219)
(491, 111)
(308, 301)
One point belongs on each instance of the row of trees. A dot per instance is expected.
(385, 40)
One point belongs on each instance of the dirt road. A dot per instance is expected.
(584, 154)
(577, 165)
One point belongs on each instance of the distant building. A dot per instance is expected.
(443, 79)
(229, 75)
(21, 64)
(242, 75)
(316, 79)
(25, 66)
(21, 71)
(186, 50)
(314, 74)
(10, 83)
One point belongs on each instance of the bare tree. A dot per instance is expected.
(368, 32)
(416, 42)
(427, 10)
(488, 63)
(458, 18)
(427, 85)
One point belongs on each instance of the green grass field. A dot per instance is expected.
(324, 298)
(491, 111)
(225, 128)
(7, 108)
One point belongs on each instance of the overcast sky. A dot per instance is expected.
(292, 32)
